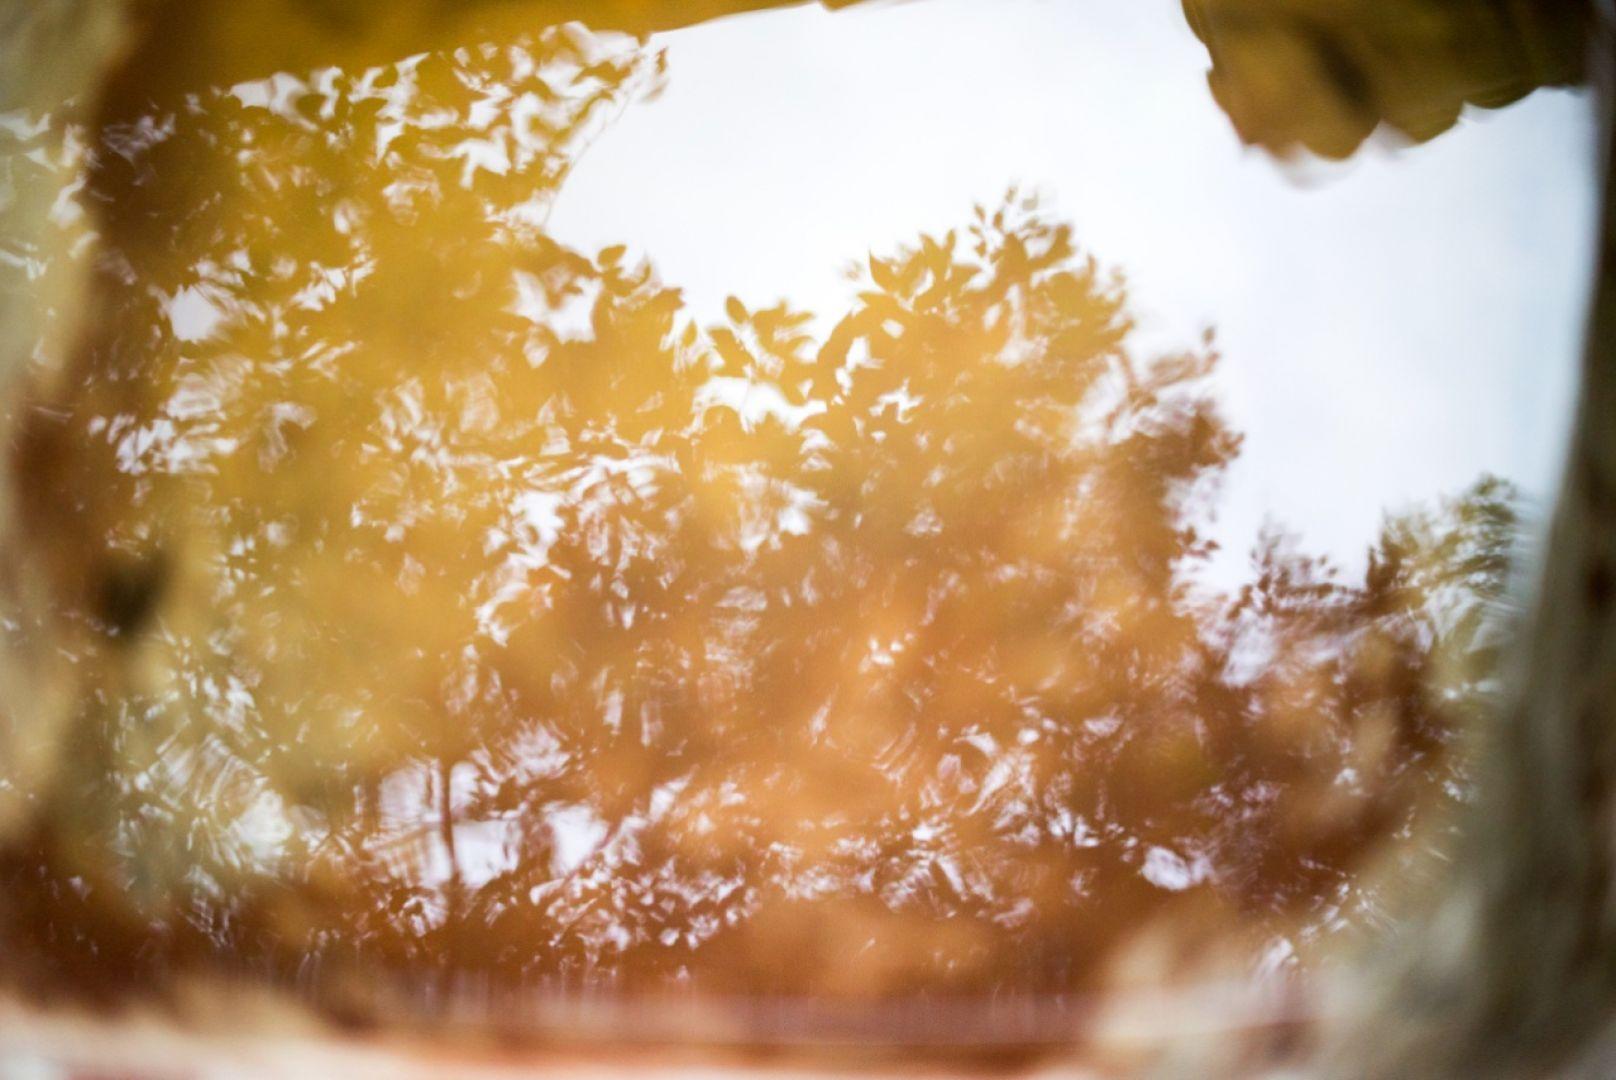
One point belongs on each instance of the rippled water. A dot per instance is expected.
(859, 505)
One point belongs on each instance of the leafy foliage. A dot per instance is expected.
(448, 599)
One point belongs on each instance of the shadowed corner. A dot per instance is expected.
(1322, 77)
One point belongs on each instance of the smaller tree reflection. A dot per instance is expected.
(1295, 74)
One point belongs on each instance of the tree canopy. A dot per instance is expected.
(441, 598)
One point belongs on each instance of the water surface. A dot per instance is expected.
(822, 506)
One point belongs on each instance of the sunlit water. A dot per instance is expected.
(777, 509)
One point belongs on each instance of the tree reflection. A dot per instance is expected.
(447, 600)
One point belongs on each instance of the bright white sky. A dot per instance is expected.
(1390, 329)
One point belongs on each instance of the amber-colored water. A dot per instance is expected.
(434, 608)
